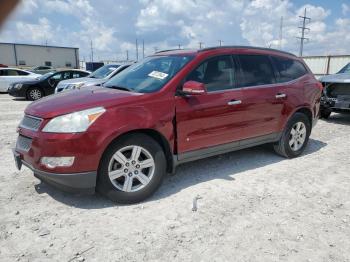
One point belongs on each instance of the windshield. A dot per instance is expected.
(103, 71)
(345, 69)
(45, 76)
(149, 75)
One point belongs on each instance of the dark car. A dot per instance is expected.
(170, 108)
(336, 92)
(44, 85)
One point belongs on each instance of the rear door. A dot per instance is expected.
(261, 105)
(213, 118)
(294, 84)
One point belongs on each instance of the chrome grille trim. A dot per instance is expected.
(23, 143)
(30, 122)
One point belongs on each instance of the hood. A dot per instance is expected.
(88, 81)
(28, 82)
(68, 102)
(336, 78)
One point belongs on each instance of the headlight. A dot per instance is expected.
(73, 86)
(74, 122)
(17, 86)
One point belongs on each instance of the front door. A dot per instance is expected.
(213, 118)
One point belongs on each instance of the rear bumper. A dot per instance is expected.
(75, 182)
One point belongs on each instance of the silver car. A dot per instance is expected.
(96, 78)
(336, 92)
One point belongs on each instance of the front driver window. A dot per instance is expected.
(216, 74)
(66, 75)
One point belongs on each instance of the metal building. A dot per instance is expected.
(28, 55)
(325, 65)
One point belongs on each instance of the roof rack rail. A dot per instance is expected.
(242, 46)
(167, 50)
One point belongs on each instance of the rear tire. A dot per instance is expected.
(131, 169)
(34, 93)
(294, 137)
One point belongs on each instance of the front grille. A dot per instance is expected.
(30, 122)
(23, 143)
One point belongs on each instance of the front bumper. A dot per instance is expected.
(73, 182)
(16, 92)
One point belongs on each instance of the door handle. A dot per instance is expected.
(280, 95)
(234, 102)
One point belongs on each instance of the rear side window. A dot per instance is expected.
(216, 74)
(256, 70)
(288, 69)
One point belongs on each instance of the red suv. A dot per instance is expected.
(173, 107)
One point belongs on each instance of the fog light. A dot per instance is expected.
(52, 162)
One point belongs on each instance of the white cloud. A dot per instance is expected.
(345, 9)
(113, 27)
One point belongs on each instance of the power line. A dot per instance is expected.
(303, 28)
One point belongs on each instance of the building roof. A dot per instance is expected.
(3, 43)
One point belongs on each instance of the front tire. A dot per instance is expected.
(294, 137)
(34, 93)
(131, 169)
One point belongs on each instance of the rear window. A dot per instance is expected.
(256, 70)
(288, 69)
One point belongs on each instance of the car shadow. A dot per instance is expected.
(224, 166)
(19, 99)
(339, 118)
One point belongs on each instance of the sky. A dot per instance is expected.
(114, 25)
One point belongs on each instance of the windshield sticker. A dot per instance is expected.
(158, 75)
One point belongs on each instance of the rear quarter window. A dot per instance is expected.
(288, 69)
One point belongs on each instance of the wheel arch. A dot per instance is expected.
(307, 111)
(154, 134)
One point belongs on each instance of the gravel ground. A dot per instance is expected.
(253, 206)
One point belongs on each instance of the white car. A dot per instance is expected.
(96, 78)
(11, 75)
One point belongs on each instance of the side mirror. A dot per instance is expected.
(192, 88)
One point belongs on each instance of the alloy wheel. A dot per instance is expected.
(131, 168)
(297, 136)
(35, 94)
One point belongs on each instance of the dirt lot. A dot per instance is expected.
(254, 206)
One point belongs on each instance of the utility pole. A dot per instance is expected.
(137, 50)
(179, 45)
(127, 55)
(155, 49)
(220, 42)
(92, 51)
(281, 33)
(143, 48)
(303, 28)
(200, 45)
